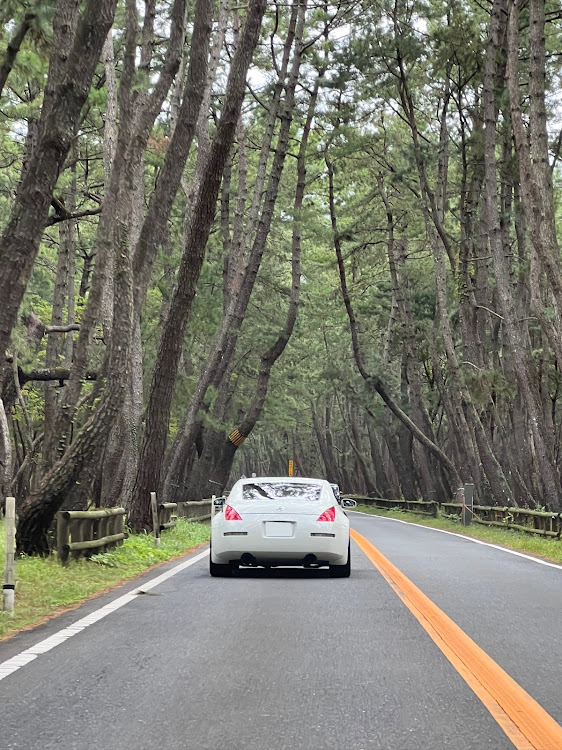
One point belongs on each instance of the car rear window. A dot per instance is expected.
(278, 490)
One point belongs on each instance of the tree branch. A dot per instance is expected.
(13, 48)
(67, 216)
(50, 373)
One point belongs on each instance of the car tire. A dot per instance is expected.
(219, 571)
(342, 571)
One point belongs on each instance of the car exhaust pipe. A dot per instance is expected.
(309, 561)
(248, 559)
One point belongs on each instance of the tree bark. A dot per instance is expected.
(373, 381)
(39, 508)
(169, 179)
(67, 90)
(51, 450)
(169, 352)
(384, 481)
(14, 47)
(512, 328)
(242, 283)
(5, 454)
(532, 148)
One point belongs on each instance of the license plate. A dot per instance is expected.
(279, 528)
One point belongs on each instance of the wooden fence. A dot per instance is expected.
(520, 519)
(81, 532)
(424, 507)
(196, 510)
(191, 510)
(166, 516)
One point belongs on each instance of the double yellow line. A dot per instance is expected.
(528, 725)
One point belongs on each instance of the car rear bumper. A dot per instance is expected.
(297, 551)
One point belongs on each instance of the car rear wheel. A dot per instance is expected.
(219, 571)
(342, 571)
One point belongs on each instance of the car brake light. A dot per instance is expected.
(231, 515)
(328, 515)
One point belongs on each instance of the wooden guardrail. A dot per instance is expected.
(196, 510)
(530, 521)
(166, 516)
(193, 510)
(424, 507)
(80, 532)
(522, 519)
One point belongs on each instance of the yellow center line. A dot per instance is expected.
(528, 725)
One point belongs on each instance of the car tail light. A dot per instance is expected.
(328, 515)
(232, 515)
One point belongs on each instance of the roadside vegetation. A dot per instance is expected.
(550, 549)
(44, 586)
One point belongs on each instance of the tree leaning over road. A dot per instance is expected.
(158, 409)
(245, 249)
(115, 243)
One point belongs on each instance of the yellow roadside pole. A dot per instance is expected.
(291, 468)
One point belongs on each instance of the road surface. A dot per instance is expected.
(293, 660)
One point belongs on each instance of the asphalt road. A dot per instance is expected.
(292, 660)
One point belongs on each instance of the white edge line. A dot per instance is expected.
(463, 536)
(24, 657)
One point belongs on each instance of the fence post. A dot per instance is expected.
(9, 580)
(213, 498)
(77, 534)
(467, 504)
(62, 536)
(155, 519)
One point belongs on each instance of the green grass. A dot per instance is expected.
(44, 586)
(550, 549)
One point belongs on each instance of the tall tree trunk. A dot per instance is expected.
(66, 93)
(5, 454)
(51, 448)
(240, 281)
(169, 179)
(532, 148)
(396, 250)
(169, 352)
(137, 116)
(14, 47)
(515, 338)
(39, 508)
(373, 381)
(122, 453)
(384, 482)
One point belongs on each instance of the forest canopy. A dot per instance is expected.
(237, 234)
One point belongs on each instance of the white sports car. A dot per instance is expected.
(281, 521)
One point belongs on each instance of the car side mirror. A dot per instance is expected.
(219, 502)
(347, 502)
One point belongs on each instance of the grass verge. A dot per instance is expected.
(44, 586)
(549, 549)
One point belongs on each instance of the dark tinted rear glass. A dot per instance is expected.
(279, 490)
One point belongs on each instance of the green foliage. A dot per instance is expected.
(362, 123)
(138, 551)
